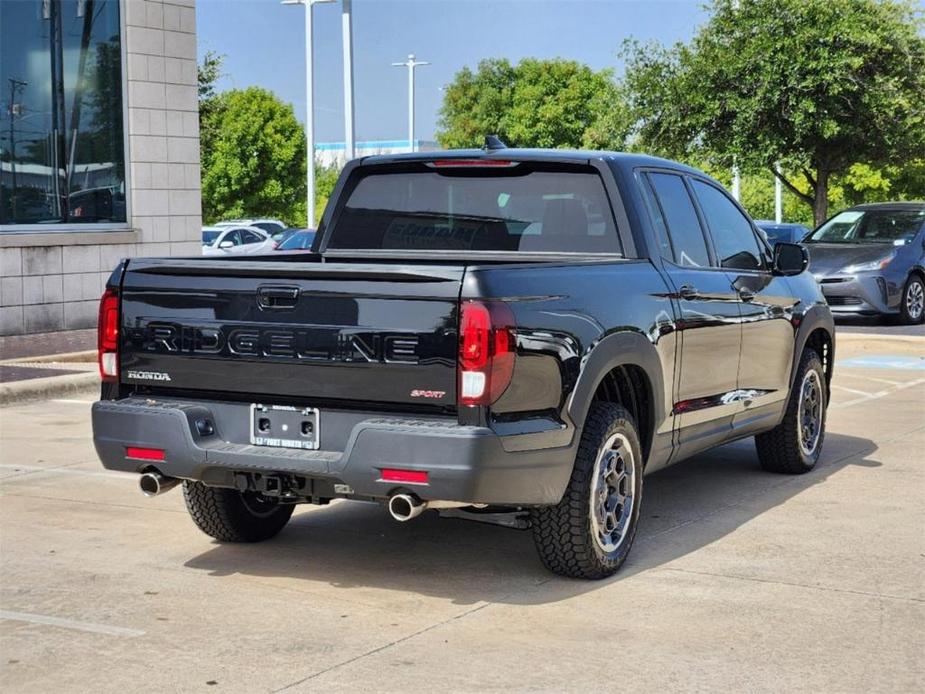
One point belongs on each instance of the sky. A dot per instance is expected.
(264, 45)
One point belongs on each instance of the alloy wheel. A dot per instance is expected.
(915, 300)
(809, 413)
(612, 493)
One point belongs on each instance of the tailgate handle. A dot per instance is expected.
(277, 298)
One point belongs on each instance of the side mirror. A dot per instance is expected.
(790, 258)
(225, 245)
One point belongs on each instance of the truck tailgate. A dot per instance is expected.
(369, 333)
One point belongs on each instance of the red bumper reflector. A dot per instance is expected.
(408, 476)
(144, 453)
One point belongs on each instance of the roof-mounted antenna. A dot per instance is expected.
(493, 142)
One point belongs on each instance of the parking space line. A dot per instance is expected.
(69, 624)
(875, 379)
(876, 396)
(859, 392)
(73, 402)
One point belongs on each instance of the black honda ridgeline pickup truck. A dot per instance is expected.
(497, 331)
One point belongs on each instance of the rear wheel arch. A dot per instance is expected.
(624, 369)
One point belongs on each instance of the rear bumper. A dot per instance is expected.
(464, 464)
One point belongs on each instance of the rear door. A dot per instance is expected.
(376, 334)
(708, 315)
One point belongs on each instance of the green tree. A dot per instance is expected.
(816, 85)
(537, 103)
(253, 158)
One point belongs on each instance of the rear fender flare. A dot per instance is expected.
(618, 349)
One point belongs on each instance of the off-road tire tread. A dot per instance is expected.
(779, 449)
(561, 532)
(220, 513)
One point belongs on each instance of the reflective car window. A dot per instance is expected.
(677, 209)
(733, 237)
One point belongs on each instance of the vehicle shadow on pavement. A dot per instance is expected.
(357, 545)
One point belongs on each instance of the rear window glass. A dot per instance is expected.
(520, 208)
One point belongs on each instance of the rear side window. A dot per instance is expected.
(735, 242)
(520, 207)
(678, 214)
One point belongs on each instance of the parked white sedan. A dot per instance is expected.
(235, 240)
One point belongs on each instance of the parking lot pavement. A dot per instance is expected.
(877, 326)
(739, 580)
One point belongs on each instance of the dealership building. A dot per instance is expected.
(99, 150)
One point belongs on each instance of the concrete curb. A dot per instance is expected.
(49, 387)
(877, 337)
(78, 357)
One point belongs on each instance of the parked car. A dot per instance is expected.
(235, 240)
(300, 240)
(523, 331)
(870, 259)
(270, 226)
(279, 236)
(788, 232)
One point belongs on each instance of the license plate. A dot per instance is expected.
(282, 426)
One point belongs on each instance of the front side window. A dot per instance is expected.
(677, 212)
(735, 242)
(250, 237)
(515, 206)
(61, 137)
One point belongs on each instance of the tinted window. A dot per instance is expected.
(523, 207)
(233, 236)
(658, 221)
(690, 248)
(735, 242)
(251, 237)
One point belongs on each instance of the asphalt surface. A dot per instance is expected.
(740, 580)
(878, 326)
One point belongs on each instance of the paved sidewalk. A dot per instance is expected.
(47, 364)
(42, 344)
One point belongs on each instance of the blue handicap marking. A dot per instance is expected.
(884, 362)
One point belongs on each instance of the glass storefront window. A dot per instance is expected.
(62, 158)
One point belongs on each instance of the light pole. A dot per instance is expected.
(309, 107)
(411, 63)
(349, 119)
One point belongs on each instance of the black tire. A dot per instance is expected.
(789, 448)
(232, 516)
(911, 306)
(565, 534)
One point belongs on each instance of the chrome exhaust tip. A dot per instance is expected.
(404, 507)
(155, 484)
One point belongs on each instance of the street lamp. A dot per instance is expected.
(411, 63)
(309, 106)
(349, 118)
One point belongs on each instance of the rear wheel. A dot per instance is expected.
(912, 308)
(794, 445)
(589, 533)
(232, 516)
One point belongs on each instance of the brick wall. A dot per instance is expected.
(46, 286)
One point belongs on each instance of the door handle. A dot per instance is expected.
(745, 294)
(277, 297)
(688, 291)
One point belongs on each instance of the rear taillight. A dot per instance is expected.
(486, 352)
(108, 335)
